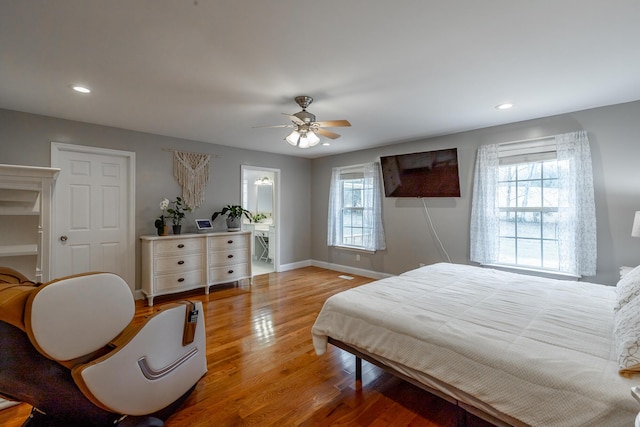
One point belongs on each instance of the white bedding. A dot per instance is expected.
(537, 350)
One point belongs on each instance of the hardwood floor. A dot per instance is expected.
(263, 370)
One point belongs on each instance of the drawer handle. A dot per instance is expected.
(181, 279)
(230, 271)
(229, 241)
(180, 262)
(181, 246)
(230, 256)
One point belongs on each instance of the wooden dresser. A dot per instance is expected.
(178, 263)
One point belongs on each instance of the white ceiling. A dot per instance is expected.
(212, 70)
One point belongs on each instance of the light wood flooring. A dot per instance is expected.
(263, 370)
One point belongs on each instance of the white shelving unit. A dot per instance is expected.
(25, 215)
(25, 219)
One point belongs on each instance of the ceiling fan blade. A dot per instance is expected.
(276, 126)
(326, 133)
(294, 119)
(333, 123)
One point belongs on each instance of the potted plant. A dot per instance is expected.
(259, 216)
(161, 221)
(234, 216)
(177, 214)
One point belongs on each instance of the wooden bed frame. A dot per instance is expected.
(462, 408)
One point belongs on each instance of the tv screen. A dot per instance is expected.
(425, 174)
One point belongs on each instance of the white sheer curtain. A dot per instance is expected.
(334, 228)
(576, 210)
(371, 203)
(485, 218)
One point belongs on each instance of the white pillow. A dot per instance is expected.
(627, 288)
(626, 335)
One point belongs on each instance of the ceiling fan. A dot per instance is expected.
(305, 127)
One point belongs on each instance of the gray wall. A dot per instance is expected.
(25, 139)
(614, 134)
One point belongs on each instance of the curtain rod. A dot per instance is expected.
(528, 140)
(173, 150)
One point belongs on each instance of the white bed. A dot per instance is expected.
(524, 350)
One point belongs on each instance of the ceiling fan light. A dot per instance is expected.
(304, 142)
(293, 138)
(306, 129)
(312, 138)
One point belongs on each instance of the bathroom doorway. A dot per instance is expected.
(260, 196)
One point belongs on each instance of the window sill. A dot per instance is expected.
(534, 272)
(354, 249)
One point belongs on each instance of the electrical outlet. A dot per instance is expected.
(357, 257)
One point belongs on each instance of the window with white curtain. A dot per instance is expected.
(533, 205)
(355, 211)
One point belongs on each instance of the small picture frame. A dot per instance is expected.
(204, 224)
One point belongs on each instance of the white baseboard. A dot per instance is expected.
(351, 270)
(294, 265)
(335, 267)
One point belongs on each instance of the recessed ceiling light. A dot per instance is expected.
(81, 89)
(504, 106)
(326, 144)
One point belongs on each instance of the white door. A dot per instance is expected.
(93, 206)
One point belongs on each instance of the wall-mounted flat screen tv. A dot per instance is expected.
(425, 174)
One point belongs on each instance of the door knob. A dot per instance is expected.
(63, 238)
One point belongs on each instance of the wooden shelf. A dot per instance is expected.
(7, 211)
(18, 250)
(19, 202)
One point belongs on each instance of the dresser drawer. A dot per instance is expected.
(228, 273)
(228, 243)
(218, 259)
(177, 281)
(179, 246)
(178, 263)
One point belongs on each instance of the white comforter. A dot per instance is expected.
(538, 350)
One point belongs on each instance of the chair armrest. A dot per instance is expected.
(149, 369)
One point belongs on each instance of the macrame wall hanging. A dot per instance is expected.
(191, 170)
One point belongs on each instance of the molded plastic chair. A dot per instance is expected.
(69, 350)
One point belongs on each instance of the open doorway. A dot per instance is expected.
(260, 196)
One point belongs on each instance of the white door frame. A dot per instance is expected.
(276, 207)
(130, 157)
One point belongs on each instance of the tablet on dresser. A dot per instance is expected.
(204, 224)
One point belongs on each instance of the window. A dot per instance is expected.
(354, 230)
(355, 219)
(533, 205)
(528, 211)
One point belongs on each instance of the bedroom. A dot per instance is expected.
(613, 130)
